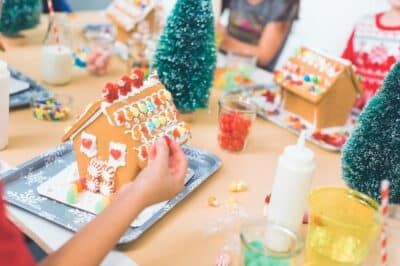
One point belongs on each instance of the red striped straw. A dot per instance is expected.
(385, 192)
(53, 23)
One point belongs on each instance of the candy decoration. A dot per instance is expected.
(238, 186)
(110, 92)
(116, 154)
(107, 187)
(234, 129)
(98, 60)
(72, 194)
(150, 126)
(87, 143)
(137, 78)
(93, 184)
(50, 110)
(150, 106)
(157, 101)
(143, 107)
(223, 260)
(385, 190)
(213, 202)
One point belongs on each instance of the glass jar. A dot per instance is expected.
(57, 60)
(236, 115)
(255, 249)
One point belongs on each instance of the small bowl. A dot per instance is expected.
(50, 106)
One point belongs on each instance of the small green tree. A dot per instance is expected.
(373, 151)
(19, 15)
(185, 58)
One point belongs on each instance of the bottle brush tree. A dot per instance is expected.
(185, 58)
(372, 153)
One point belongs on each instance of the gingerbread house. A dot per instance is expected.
(111, 138)
(130, 16)
(318, 88)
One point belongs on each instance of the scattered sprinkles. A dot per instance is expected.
(50, 109)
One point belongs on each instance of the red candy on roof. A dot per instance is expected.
(110, 92)
(137, 77)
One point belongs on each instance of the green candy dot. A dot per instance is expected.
(71, 197)
(99, 207)
(315, 80)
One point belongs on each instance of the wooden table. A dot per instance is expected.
(179, 238)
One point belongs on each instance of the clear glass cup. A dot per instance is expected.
(343, 227)
(236, 116)
(57, 60)
(255, 251)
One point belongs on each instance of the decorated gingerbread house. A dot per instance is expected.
(130, 16)
(318, 88)
(112, 137)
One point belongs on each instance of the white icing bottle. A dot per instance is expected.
(4, 103)
(290, 192)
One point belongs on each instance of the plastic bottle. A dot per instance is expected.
(4, 103)
(290, 191)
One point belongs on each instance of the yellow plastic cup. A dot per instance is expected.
(343, 226)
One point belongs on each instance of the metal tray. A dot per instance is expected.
(21, 188)
(22, 99)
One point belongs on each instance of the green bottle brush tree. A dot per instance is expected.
(185, 58)
(372, 153)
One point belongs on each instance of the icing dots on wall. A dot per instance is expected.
(117, 155)
(88, 144)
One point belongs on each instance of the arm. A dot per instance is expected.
(271, 40)
(161, 180)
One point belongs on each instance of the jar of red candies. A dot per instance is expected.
(236, 115)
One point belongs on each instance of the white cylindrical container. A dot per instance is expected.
(4, 103)
(57, 60)
(57, 64)
(290, 191)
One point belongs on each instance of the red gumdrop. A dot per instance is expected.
(110, 92)
(138, 79)
(82, 181)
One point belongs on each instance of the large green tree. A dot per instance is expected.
(373, 151)
(19, 15)
(185, 58)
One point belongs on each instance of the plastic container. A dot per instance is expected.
(47, 106)
(236, 116)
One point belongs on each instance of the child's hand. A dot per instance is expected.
(164, 175)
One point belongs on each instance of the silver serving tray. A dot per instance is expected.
(22, 98)
(21, 185)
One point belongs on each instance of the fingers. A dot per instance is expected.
(177, 159)
(162, 150)
(152, 152)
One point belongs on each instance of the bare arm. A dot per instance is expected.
(161, 180)
(271, 40)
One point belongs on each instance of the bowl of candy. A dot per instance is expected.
(236, 115)
(50, 106)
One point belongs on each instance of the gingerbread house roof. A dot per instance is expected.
(128, 13)
(311, 74)
(143, 109)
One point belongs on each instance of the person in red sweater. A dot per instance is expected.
(160, 180)
(373, 48)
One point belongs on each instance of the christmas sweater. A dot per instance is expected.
(373, 48)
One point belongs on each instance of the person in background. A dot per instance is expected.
(160, 180)
(374, 48)
(58, 5)
(258, 28)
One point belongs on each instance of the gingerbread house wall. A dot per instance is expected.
(333, 110)
(298, 105)
(105, 134)
(336, 106)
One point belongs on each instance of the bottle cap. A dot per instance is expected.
(299, 155)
